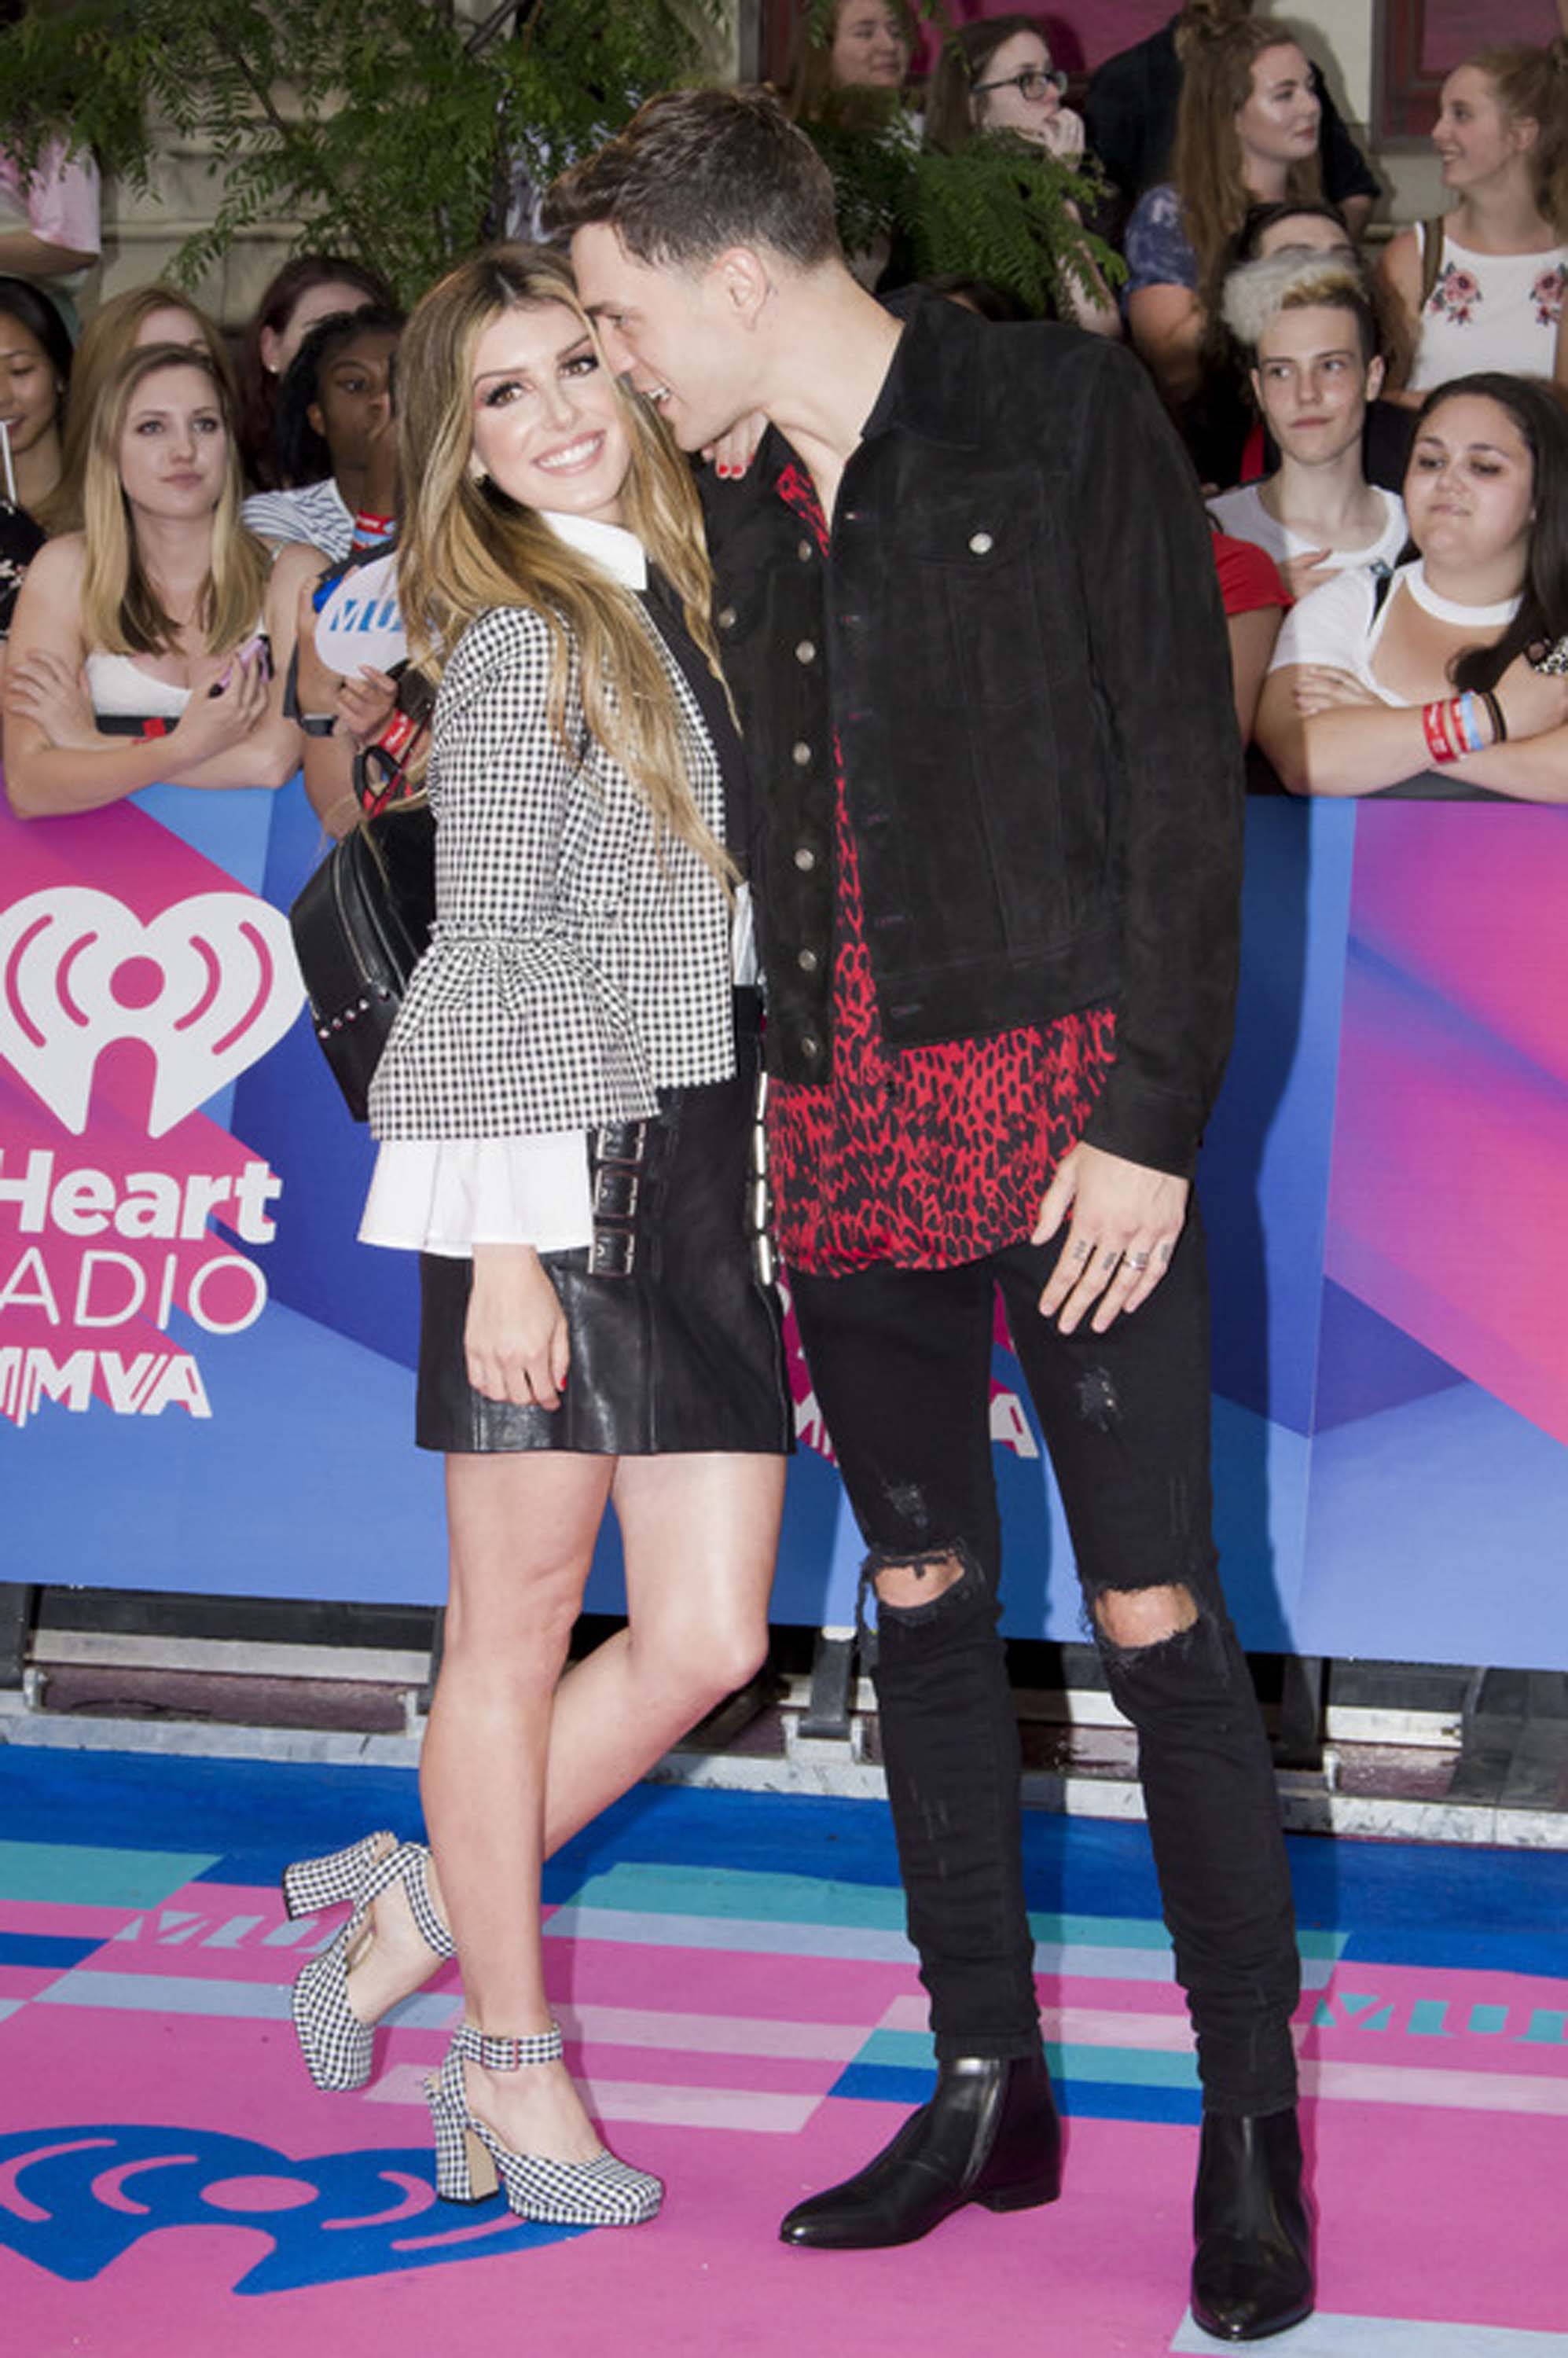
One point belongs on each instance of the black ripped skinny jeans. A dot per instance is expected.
(900, 1362)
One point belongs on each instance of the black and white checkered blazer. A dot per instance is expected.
(574, 969)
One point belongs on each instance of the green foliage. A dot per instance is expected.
(387, 128)
(1000, 209)
(1005, 211)
(384, 127)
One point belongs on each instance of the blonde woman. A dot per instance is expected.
(158, 314)
(147, 647)
(565, 1106)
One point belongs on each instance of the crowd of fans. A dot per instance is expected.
(1384, 448)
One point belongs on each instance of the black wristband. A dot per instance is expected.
(1494, 706)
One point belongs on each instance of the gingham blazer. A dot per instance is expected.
(574, 968)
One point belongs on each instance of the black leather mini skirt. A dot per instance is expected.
(676, 1342)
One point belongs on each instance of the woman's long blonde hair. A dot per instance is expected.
(465, 548)
(120, 611)
(1206, 162)
(108, 335)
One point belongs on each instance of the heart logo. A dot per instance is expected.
(209, 985)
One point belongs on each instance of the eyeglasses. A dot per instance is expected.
(1031, 83)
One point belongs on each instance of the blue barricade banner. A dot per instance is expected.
(206, 1382)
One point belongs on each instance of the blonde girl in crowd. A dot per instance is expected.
(145, 646)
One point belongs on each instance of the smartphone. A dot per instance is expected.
(258, 646)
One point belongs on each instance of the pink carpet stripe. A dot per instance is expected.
(1478, 2091)
(1327, 2336)
(1094, 2026)
(64, 1918)
(706, 2034)
(832, 1989)
(678, 2106)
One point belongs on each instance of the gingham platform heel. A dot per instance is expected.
(336, 2046)
(471, 2158)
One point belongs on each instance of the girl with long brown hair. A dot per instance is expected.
(1247, 133)
(566, 1109)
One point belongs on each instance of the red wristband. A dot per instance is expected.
(1442, 741)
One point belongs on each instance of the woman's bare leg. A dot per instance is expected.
(521, 1530)
(700, 1535)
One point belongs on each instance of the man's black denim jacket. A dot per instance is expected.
(1018, 642)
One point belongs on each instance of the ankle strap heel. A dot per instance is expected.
(312, 1884)
(336, 2046)
(472, 2161)
(416, 1861)
(493, 2054)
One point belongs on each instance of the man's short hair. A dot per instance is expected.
(697, 171)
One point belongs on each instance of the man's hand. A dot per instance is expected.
(1125, 1220)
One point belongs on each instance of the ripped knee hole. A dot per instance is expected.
(1132, 1618)
(915, 1580)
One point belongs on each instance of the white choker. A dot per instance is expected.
(1446, 610)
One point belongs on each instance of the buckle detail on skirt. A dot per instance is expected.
(619, 1152)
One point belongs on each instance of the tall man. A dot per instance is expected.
(968, 604)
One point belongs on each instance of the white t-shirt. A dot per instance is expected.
(1242, 513)
(1340, 624)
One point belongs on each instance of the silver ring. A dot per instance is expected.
(1139, 1261)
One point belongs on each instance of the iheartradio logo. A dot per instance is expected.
(209, 985)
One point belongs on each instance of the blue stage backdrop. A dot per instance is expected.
(205, 1383)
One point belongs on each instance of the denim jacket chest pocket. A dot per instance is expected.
(978, 552)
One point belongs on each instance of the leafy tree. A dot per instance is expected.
(393, 129)
(998, 209)
(388, 128)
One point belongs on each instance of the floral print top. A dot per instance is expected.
(1491, 311)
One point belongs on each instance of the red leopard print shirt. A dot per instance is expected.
(923, 1157)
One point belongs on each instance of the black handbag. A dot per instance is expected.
(360, 927)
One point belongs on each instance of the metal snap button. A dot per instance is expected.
(806, 859)
(806, 960)
(982, 543)
(800, 754)
(806, 652)
(726, 617)
(803, 550)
